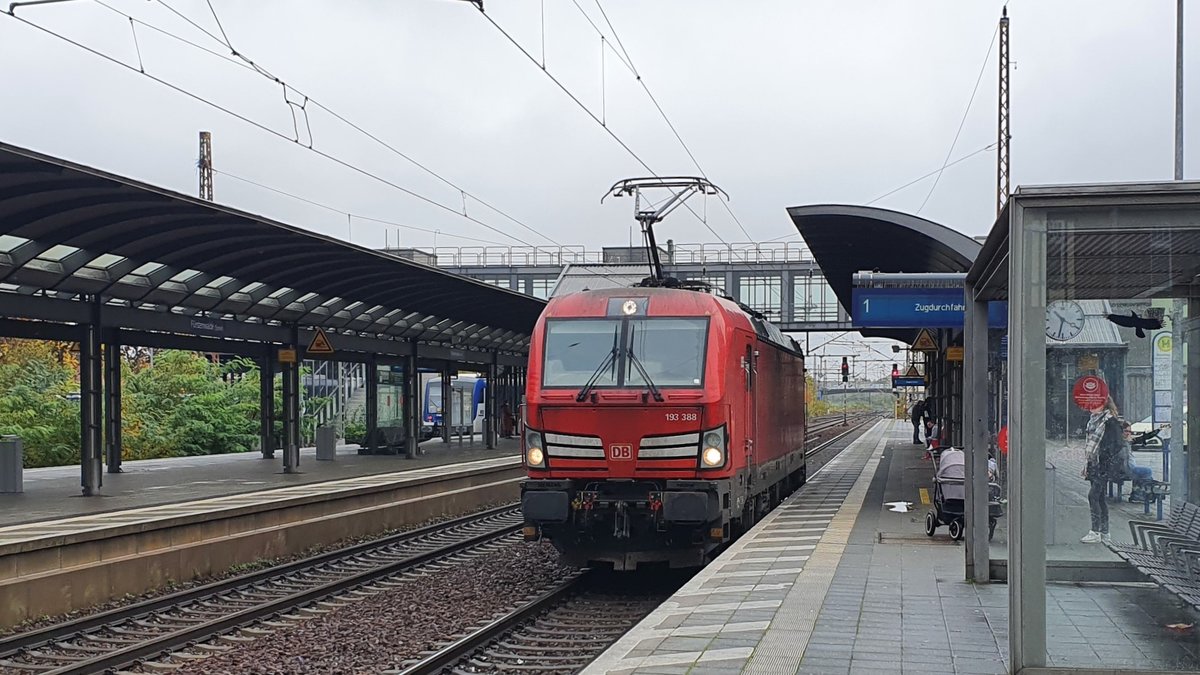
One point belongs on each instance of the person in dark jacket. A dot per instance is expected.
(918, 418)
(1103, 447)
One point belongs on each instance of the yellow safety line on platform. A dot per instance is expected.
(924, 496)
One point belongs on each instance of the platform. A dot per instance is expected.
(833, 582)
(49, 567)
(53, 492)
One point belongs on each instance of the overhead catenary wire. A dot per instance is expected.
(938, 171)
(247, 120)
(963, 121)
(628, 60)
(350, 214)
(591, 114)
(243, 59)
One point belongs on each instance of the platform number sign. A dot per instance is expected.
(620, 452)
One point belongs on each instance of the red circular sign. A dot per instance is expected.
(1090, 392)
(1003, 441)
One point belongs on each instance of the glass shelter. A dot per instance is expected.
(1081, 420)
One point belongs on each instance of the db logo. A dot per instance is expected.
(620, 452)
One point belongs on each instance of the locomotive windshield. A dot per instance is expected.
(670, 350)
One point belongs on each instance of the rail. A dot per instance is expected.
(565, 628)
(119, 637)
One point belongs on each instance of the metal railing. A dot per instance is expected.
(677, 254)
(330, 386)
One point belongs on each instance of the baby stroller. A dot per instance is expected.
(949, 496)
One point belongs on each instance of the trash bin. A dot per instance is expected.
(11, 470)
(326, 444)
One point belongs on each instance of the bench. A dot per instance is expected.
(1153, 492)
(1168, 553)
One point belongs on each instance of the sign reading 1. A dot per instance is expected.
(917, 308)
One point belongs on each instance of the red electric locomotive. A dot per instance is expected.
(660, 422)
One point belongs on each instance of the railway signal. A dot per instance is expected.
(845, 370)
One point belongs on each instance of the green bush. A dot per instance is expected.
(183, 404)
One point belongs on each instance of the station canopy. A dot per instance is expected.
(70, 233)
(845, 239)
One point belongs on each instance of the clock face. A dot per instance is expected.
(1064, 320)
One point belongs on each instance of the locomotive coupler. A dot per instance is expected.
(621, 520)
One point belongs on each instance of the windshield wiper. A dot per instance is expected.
(609, 360)
(637, 363)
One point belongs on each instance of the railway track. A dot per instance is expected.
(214, 618)
(560, 631)
(568, 626)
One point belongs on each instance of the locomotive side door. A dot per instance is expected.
(750, 424)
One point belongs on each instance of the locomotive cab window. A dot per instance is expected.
(576, 348)
(670, 350)
(617, 352)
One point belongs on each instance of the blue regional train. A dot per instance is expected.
(470, 388)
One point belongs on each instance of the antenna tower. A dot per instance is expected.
(206, 170)
(680, 189)
(1003, 136)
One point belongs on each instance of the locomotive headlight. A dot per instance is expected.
(712, 449)
(712, 457)
(535, 456)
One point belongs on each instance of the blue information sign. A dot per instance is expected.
(917, 308)
(908, 382)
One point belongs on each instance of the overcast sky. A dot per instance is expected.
(783, 103)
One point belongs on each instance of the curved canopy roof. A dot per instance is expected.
(68, 230)
(845, 239)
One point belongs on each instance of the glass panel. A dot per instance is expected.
(183, 276)
(540, 288)
(57, 252)
(813, 299)
(389, 406)
(104, 261)
(147, 268)
(575, 350)
(670, 351)
(218, 282)
(763, 293)
(1117, 415)
(9, 242)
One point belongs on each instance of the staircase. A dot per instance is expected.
(333, 391)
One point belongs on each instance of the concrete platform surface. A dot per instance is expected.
(53, 492)
(833, 581)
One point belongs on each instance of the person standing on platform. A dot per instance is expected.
(918, 418)
(506, 421)
(1103, 450)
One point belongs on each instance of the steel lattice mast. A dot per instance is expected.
(1003, 136)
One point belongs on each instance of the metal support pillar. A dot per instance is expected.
(975, 438)
(90, 403)
(447, 399)
(266, 405)
(491, 426)
(412, 414)
(1192, 438)
(291, 408)
(112, 406)
(1027, 439)
(372, 405)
